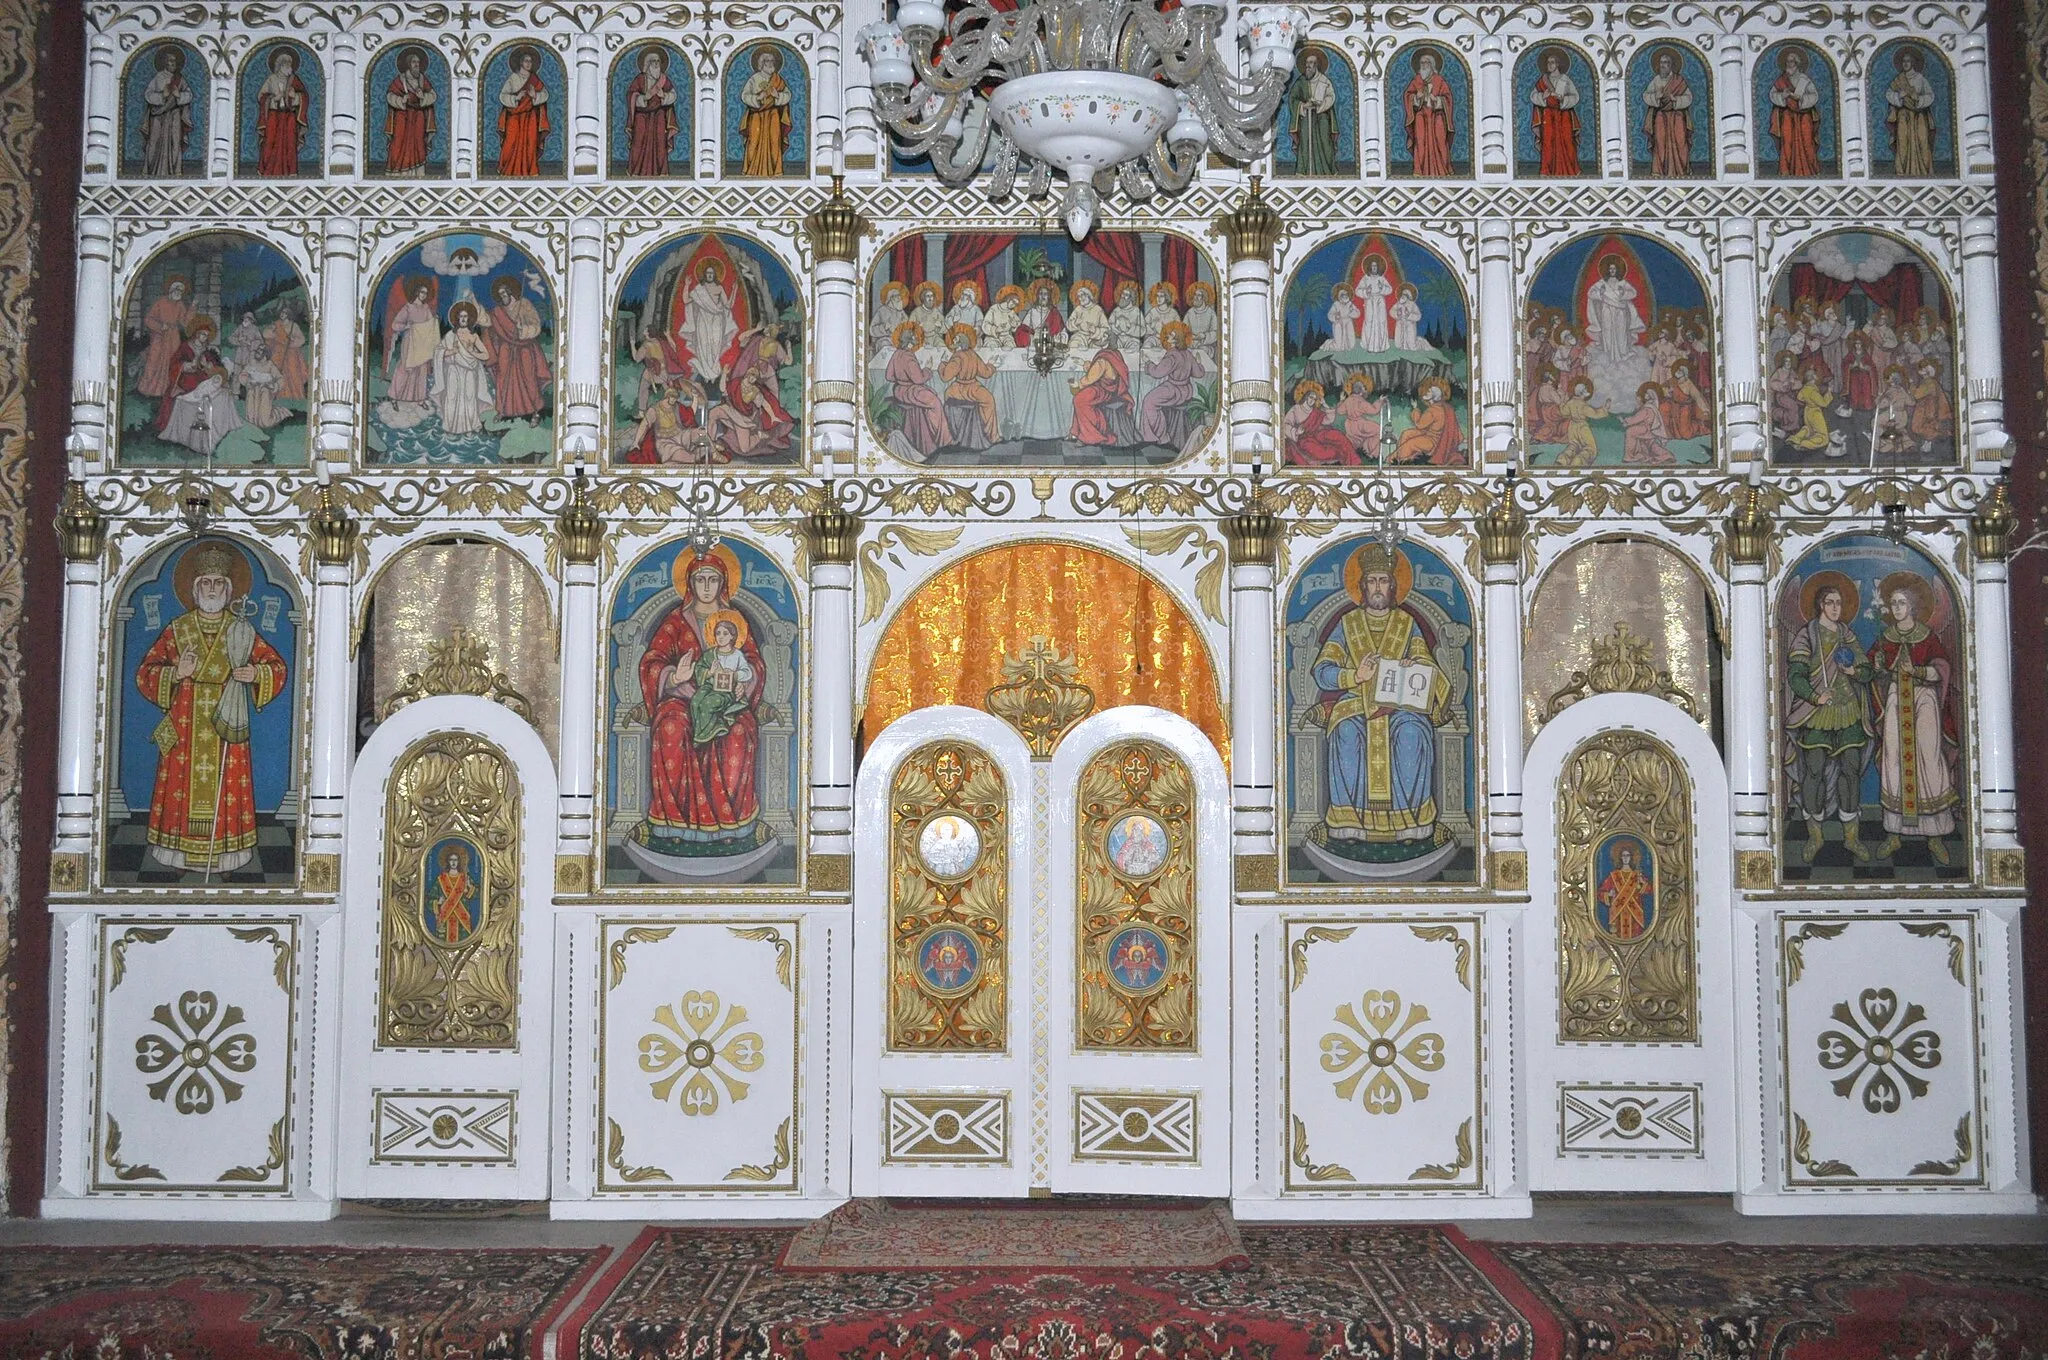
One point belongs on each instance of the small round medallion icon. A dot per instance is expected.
(1138, 958)
(948, 961)
(949, 846)
(1137, 845)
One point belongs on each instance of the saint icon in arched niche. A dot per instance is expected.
(767, 113)
(163, 112)
(1618, 356)
(406, 112)
(1317, 136)
(1625, 888)
(204, 756)
(1379, 760)
(1557, 131)
(1798, 132)
(708, 356)
(1872, 698)
(1912, 112)
(651, 113)
(282, 102)
(523, 113)
(704, 769)
(1429, 113)
(1671, 114)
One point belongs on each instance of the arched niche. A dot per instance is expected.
(434, 593)
(164, 108)
(282, 119)
(979, 630)
(1632, 597)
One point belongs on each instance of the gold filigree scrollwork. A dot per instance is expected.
(949, 902)
(459, 664)
(1627, 969)
(1041, 695)
(1621, 664)
(1134, 897)
(450, 976)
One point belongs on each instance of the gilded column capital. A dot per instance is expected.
(1253, 534)
(81, 528)
(830, 533)
(1503, 527)
(836, 226)
(1750, 528)
(1992, 526)
(580, 528)
(1252, 228)
(334, 531)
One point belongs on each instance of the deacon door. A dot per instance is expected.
(447, 958)
(1033, 1020)
(1628, 1017)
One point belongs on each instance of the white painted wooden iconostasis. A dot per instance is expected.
(937, 950)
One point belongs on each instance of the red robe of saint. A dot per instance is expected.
(651, 131)
(1798, 134)
(1101, 399)
(522, 131)
(278, 130)
(409, 124)
(1430, 129)
(1557, 136)
(701, 791)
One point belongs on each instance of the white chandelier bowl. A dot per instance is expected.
(1080, 122)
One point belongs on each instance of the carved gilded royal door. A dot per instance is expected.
(447, 958)
(1628, 1012)
(1138, 994)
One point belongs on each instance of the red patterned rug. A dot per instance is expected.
(1629, 1302)
(274, 1303)
(1304, 1292)
(880, 1234)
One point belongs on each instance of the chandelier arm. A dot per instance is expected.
(916, 128)
(1135, 183)
(1004, 181)
(1172, 173)
(947, 78)
(1040, 183)
(960, 162)
(1231, 131)
(1176, 50)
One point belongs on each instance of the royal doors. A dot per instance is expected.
(1041, 961)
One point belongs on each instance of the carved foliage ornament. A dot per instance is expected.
(450, 976)
(949, 906)
(459, 664)
(1041, 695)
(1621, 664)
(1134, 898)
(1627, 967)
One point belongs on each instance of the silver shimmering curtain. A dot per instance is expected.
(431, 590)
(1597, 585)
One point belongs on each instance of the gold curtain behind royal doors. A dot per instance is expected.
(1131, 640)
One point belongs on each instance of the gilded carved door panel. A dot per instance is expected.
(447, 958)
(1628, 1014)
(943, 979)
(1139, 980)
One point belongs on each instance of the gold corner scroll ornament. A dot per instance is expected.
(949, 902)
(67, 873)
(322, 873)
(1621, 664)
(451, 908)
(1756, 870)
(1510, 870)
(830, 873)
(1258, 873)
(1041, 695)
(2005, 868)
(459, 664)
(1627, 965)
(81, 528)
(1252, 228)
(1135, 948)
(572, 874)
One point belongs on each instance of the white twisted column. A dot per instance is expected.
(84, 534)
(1991, 623)
(1749, 778)
(92, 340)
(337, 420)
(333, 687)
(835, 229)
(1983, 347)
(833, 536)
(581, 534)
(1251, 230)
(586, 337)
(1742, 364)
(1254, 539)
(1503, 529)
(1496, 338)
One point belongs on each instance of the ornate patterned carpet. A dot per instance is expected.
(268, 1303)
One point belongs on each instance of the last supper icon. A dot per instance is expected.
(948, 961)
(1137, 959)
(949, 846)
(1136, 845)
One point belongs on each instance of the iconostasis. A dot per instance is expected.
(628, 644)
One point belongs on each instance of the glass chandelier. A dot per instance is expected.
(1112, 94)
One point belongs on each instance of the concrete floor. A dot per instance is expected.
(1558, 1218)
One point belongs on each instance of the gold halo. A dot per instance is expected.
(1914, 585)
(688, 561)
(1809, 593)
(736, 619)
(240, 577)
(1354, 572)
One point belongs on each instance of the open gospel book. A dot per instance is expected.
(1404, 684)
